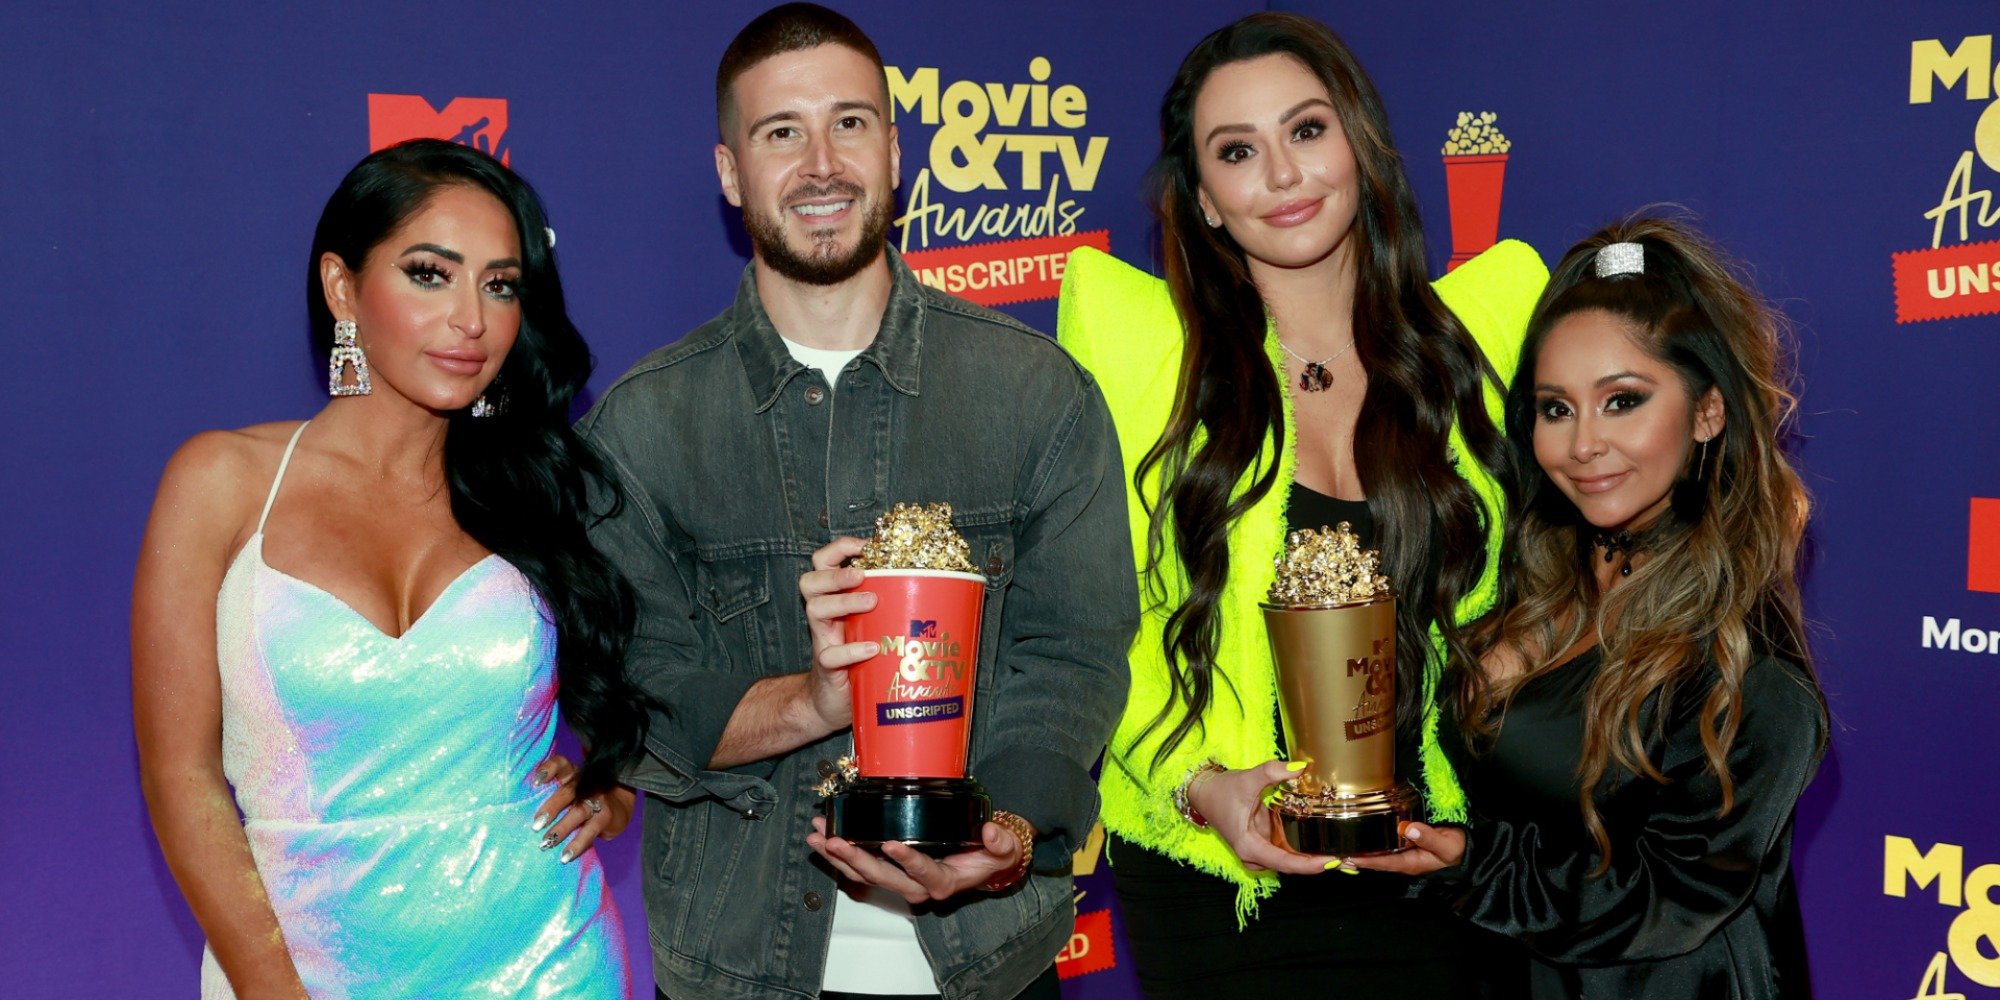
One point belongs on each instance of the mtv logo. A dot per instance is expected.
(1982, 547)
(479, 122)
(923, 628)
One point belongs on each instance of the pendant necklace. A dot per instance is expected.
(1314, 377)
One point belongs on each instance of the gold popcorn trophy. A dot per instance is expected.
(1331, 619)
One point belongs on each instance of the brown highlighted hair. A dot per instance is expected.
(1718, 588)
(1425, 375)
(791, 27)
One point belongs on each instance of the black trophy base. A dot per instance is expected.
(1345, 826)
(937, 816)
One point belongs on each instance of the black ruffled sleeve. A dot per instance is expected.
(1678, 871)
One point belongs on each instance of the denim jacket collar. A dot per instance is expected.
(770, 366)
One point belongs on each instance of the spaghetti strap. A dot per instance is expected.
(280, 477)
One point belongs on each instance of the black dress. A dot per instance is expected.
(1366, 934)
(1692, 905)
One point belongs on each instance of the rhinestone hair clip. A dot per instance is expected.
(1621, 258)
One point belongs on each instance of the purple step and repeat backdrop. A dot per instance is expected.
(161, 169)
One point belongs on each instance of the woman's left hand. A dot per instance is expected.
(563, 818)
(1431, 848)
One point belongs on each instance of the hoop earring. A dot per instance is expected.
(347, 352)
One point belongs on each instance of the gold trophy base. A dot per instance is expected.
(1345, 825)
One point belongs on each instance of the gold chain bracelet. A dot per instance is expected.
(1024, 833)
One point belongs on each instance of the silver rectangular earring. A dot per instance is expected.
(347, 352)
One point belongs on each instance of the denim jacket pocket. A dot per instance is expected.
(731, 591)
(663, 841)
(991, 547)
(728, 587)
(992, 550)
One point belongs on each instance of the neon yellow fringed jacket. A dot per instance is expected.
(1120, 323)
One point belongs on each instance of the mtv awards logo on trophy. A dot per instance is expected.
(1959, 278)
(994, 213)
(479, 122)
(1475, 171)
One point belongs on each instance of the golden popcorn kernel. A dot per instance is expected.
(1475, 135)
(916, 536)
(1327, 567)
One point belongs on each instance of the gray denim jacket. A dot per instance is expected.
(738, 462)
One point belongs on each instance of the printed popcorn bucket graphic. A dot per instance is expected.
(1475, 172)
(913, 698)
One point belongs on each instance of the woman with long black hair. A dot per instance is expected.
(1297, 368)
(359, 622)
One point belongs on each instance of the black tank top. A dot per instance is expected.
(1309, 508)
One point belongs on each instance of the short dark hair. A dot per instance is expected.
(791, 27)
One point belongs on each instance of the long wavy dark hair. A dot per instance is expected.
(1425, 375)
(518, 480)
(1719, 587)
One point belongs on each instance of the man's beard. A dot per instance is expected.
(820, 265)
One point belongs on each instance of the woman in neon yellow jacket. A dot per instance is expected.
(1295, 368)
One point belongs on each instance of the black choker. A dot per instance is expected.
(1615, 542)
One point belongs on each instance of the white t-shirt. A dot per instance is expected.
(829, 363)
(874, 947)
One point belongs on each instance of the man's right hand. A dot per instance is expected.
(830, 597)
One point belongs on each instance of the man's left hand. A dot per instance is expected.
(913, 875)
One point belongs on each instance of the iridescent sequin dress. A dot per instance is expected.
(386, 790)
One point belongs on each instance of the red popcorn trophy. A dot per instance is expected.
(1475, 172)
(906, 779)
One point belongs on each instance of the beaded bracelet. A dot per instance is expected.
(1181, 803)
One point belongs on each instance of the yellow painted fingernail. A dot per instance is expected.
(1335, 863)
(1348, 870)
(1297, 765)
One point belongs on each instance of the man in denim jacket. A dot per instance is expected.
(835, 386)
